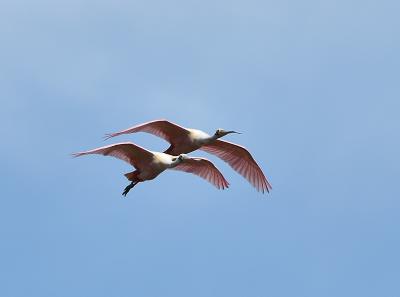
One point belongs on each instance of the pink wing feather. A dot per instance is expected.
(133, 154)
(204, 169)
(161, 128)
(241, 161)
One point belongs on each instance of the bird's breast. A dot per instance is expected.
(161, 160)
(198, 138)
(159, 163)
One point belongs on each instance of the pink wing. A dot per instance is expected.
(241, 161)
(162, 128)
(205, 169)
(135, 155)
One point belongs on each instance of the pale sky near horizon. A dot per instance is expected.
(313, 86)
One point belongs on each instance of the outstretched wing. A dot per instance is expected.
(162, 128)
(126, 151)
(241, 161)
(205, 169)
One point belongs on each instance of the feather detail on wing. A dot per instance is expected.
(162, 128)
(204, 169)
(241, 161)
(126, 151)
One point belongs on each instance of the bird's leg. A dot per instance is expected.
(129, 187)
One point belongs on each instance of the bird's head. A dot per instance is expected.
(176, 160)
(182, 157)
(179, 158)
(221, 133)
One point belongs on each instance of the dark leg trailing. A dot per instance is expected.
(129, 187)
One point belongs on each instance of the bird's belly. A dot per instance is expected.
(188, 148)
(150, 174)
(185, 147)
(147, 175)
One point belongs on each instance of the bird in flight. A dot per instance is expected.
(149, 164)
(185, 140)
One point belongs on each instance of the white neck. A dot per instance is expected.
(212, 139)
(175, 163)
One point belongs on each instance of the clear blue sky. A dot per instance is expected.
(314, 86)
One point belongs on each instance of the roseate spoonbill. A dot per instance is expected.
(185, 140)
(149, 164)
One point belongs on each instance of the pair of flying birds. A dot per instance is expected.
(149, 164)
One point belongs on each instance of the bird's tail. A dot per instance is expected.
(132, 176)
